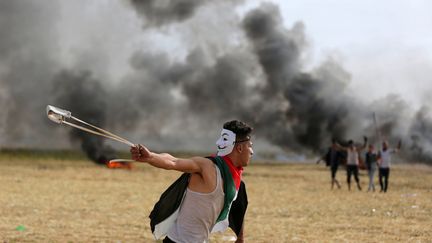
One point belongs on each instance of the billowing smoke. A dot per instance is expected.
(84, 95)
(227, 66)
(312, 114)
(26, 66)
(157, 13)
(302, 111)
(318, 105)
(421, 135)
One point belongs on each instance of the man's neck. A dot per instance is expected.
(234, 160)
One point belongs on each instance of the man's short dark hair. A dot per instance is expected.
(241, 129)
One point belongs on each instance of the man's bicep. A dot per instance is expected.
(191, 165)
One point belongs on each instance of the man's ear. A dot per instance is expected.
(239, 148)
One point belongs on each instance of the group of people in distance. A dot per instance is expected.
(350, 154)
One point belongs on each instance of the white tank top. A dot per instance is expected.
(386, 158)
(198, 214)
(352, 157)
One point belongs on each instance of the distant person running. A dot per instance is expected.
(371, 159)
(384, 157)
(353, 161)
(333, 158)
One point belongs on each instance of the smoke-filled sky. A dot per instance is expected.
(384, 43)
(169, 73)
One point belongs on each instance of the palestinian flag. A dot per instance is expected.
(166, 210)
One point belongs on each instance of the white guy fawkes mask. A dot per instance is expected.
(225, 144)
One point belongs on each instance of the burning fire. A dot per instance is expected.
(119, 165)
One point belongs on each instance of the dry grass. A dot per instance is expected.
(76, 201)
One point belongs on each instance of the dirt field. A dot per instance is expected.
(52, 200)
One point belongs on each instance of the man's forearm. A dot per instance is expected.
(164, 160)
(365, 142)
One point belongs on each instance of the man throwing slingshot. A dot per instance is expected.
(209, 196)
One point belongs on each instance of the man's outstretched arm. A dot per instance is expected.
(365, 140)
(399, 145)
(166, 161)
(340, 147)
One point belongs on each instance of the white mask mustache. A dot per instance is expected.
(225, 144)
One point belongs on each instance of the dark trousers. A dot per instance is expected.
(333, 170)
(352, 170)
(384, 173)
(167, 240)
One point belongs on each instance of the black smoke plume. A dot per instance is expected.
(315, 108)
(421, 136)
(157, 13)
(86, 97)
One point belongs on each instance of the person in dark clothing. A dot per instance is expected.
(384, 157)
(333, 158)
(371, 160)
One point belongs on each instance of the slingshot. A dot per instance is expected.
(61, 116)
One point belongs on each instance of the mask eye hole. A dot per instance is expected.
(225, 139)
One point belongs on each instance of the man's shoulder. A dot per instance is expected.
(214, 159)
(204, 162)
(201, 159)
